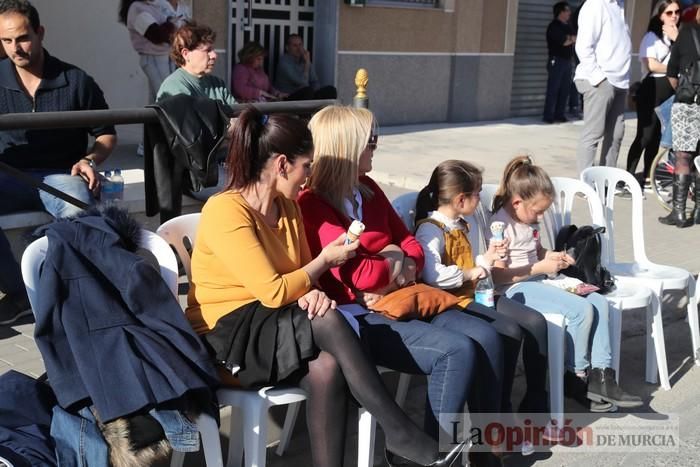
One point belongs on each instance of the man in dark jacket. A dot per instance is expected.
(560, 43)
(31, 80)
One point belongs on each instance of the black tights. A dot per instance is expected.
(343, 360)
(683, 162)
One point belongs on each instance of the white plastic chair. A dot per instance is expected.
(556, 324)
(32, 259)
(624, 297)
(641, 271)
(251, 425)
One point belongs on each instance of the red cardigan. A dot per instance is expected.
(368, 270)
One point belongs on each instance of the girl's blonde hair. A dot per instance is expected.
(449, 179)
(523, 178)
(340, 136)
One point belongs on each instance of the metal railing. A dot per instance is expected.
(89, 118)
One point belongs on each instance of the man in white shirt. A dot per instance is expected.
(604, 50)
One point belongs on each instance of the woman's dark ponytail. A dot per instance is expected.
(256, 137)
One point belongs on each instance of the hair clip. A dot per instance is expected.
(529, 159)
(264, 119)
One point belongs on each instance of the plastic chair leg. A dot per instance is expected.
(289, 421)
(235, 438)
(177, 459)
(255, 435)
(211, 443)
(656, 366)
(693, 320)
(615, 327)
(402, 388)
(556, 345)
(366, 429)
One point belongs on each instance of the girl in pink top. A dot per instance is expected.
(524, 194)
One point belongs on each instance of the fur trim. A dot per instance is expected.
(122, 452)
(128, 228)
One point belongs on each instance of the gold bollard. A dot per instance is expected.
(361, 100)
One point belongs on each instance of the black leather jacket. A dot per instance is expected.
(184, 142)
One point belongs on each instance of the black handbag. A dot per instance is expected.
(688, 90)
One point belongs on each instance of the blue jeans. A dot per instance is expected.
(558, 86)
(16, 196)
(664, 113)
(586, 317)
(455, 350)
(79, 442)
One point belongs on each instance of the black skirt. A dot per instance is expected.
(270, 345)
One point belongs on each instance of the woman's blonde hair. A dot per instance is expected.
(523, 178)
(340, 136)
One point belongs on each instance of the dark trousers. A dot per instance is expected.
(652, 93)
(456, 351)
(518, 323)
(10, 274)
(558, 86)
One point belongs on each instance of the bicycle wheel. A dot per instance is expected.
(662, 171)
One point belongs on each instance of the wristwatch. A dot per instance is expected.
(90, 162)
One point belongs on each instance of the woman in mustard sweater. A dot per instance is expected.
(253, 301)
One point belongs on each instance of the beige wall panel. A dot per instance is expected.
(100, 46)
(395, 29)
(642, 9)
(493, 32)
(467, 16)
(213, 13)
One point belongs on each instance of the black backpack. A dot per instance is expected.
(583, 244)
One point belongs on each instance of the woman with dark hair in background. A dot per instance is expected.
(654, 53)
(252, 286)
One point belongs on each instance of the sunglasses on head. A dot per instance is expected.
(372, 143)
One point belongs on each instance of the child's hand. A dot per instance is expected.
(497, 251)
(475, 274)
(367, 299)
(555, 261)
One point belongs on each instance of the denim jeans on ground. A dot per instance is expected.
(443, 351)
(182, 434)
(79, 442)
(16, 196)
(586, 318)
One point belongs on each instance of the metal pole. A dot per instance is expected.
(89, 118)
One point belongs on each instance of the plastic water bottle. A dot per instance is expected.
(108, 188)
(118, 185)
(483, 293)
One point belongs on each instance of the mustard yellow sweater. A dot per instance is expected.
(237, 259)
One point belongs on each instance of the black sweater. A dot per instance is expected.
(683, 52)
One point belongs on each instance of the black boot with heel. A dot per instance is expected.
(677, 217)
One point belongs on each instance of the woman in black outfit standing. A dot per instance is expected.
(654, 53)
(685, 121)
